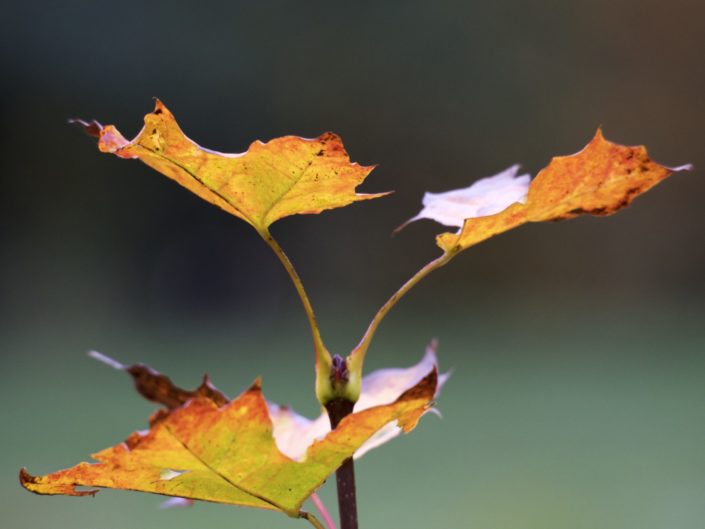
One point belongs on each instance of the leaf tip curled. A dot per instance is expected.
(111, 141)
(39, 485)
(26, 478)
(92, 128)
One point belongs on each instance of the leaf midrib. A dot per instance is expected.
(219, 474)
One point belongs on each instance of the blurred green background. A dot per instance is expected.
(577, 348)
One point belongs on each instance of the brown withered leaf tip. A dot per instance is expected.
(425, 389)
(159, 388)
(27, 480)
(92, 128)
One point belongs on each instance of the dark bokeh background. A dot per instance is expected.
(577, 347)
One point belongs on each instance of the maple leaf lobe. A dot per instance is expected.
(601, 179)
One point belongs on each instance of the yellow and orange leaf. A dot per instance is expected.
(599, 180)
(285, 176)
(227, 454)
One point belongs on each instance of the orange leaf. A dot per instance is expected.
(285, 176)
(228, 454)
(601, 179)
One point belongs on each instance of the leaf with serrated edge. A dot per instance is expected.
(228, 454)
(601, 179)
(293, 433)
(285, 176)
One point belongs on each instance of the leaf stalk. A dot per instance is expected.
(357, 356)
(310, 518)
(323, 358)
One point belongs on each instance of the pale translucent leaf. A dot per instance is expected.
(484, 197)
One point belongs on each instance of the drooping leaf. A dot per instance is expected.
(228, 454)
(285, 176)
(599, 180)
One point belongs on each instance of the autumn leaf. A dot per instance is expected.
(601, 179)
(202, 451)
(285, 176)
(293, 433)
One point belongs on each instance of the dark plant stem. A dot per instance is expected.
(338, 409)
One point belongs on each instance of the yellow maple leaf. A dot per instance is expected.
(200, 450)
(285, 176)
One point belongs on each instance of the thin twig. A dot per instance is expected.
(338, 409)
(347, 494)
